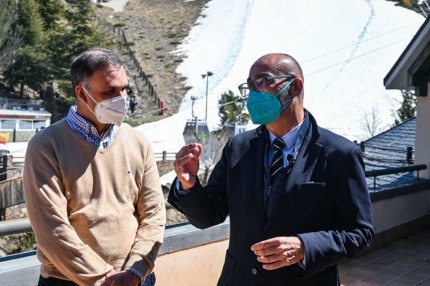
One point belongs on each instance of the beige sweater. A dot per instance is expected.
(93, 210)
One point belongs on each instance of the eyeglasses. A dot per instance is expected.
(259, 84)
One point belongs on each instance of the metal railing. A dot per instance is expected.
(15, 226)
(390, 171)
(165, 156)
(22, 225)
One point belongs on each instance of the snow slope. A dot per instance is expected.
(345, 51)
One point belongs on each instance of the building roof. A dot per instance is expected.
(10, 112)
(389, 150)
(407, 71)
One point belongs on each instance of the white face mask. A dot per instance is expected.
(109, 111)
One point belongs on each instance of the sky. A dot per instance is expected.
(345, 51)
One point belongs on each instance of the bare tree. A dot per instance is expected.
(372, 123)
(211, 153)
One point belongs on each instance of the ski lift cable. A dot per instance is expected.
(183, 115)
(312, 73)
(356, 57)
(338, 50)
(176, 104)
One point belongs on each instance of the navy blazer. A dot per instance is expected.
(324, 201)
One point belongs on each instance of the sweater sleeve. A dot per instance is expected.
(46, 203)
(151, 213)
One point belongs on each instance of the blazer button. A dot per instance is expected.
(254, 271)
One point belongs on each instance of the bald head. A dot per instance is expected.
(280, 64)
(277, 70)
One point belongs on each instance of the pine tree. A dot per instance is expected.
(30, 68)
(231, 109)
(10, 41)
(29, 61)
(51, 12)
(408, 108)
(29, 23)
(77, 35)
(83, 34)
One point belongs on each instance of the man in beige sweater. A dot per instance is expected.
(92, 187)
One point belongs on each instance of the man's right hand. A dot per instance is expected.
(187, 164)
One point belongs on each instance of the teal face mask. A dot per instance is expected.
(265, 108)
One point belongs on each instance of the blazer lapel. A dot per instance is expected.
(300, 172)
(257, 149)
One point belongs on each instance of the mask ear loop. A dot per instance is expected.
(91, 99)
(290, 100)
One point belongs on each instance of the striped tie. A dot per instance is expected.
(278, 159)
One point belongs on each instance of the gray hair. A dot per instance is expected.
(83, 66)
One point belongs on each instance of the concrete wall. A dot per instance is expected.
(399, 210)
(200, 266)
(422, 137)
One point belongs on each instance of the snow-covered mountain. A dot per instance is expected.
(345, 49)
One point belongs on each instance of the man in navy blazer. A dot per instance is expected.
(289, 224)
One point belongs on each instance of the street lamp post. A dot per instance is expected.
(207, 75)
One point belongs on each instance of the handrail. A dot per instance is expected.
(15, 226)
(165, 156)
(22, 225)
(389, 171)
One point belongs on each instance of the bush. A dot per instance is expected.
(27, 242)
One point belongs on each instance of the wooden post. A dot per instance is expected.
(3, 168)
(409, 155)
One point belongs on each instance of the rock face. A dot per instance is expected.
(153, 29)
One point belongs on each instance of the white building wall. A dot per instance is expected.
(422, 136)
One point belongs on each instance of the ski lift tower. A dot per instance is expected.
(207, 75)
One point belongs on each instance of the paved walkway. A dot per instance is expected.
(403, 263)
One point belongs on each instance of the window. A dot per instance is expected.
(37, 124)
(8, 124)
(25, 124)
